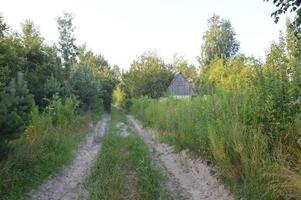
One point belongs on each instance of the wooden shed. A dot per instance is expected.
(180, 86)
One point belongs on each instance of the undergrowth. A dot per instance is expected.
(48, 143)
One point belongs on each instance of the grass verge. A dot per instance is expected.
(256, 162)
(124, 169)
(46, 145)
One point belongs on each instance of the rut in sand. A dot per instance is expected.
(69, 184)
(188, 178)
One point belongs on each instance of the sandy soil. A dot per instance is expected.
(188, 178)
(69, 184)
(123, 129)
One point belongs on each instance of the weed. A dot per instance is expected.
(258, 163)
(47, 144)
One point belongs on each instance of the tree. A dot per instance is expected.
(93, 81)
(67, 46)
(180, 64)
(108, 81)
(292, 6)
(116, 71)
(12, 58)
(15, 106)
(148, 75)
(41, 62)
(118, 97)
(219, 41)
(232, 75)
(97, 62)
(3, 27)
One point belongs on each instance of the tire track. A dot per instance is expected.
(69, 184)
(188, 178)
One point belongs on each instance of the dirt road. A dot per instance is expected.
(69, 183)
(188, 178)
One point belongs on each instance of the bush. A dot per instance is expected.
(15, 105)
(62, 112)
(48, 142)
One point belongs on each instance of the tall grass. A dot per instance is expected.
(258, 163)
(48, 143)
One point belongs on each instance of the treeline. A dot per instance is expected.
(149, 75)
(32, 72)
(245, 116)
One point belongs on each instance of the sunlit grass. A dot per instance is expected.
(254, 164)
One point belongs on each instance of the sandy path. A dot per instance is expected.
(69, 183)
(188, 178)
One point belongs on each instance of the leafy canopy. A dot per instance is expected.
(219, 41)
(148, 75)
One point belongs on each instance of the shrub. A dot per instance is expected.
(48, 142)
(15, 105)
(62, 112)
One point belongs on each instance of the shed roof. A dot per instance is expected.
(180, 86)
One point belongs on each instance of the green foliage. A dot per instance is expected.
(93, 81)
(62, 112)
(88, 76)
(234, 74)
(67, 46)
(278, 84)
(219, 128)
(41, 62)
(180, 64)
(85, 88)
(48, 143)
(118, 97)
(248, 123)
(97, 62)
(128, 104)
(15, 104)
(292, 6)
(35, 144)
(3, 27)
(12, 58)
(109, 81)
(52, 87)
(219, 41)
(148, 75)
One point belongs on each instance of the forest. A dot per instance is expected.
(244, 119)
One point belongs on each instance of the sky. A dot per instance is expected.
(121, 30)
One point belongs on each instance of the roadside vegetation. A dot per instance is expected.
(48, 97)
(48, 143)
(245, 118)
(125, 168)
(257, 163)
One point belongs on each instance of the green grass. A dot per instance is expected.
(30, 164)
(125, 169)
(255, 162)
(47, 144)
